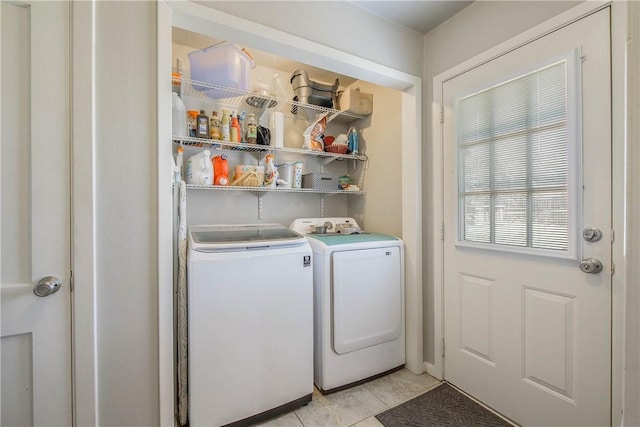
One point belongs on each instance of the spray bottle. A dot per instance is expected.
(270, 172)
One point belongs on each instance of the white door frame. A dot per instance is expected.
(619, 35)
(222, 25)
(83, 216)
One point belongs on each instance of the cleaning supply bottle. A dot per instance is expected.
(215, 126)
(178, 116)
(243, 129)
(203, 125)
(200, 169)
(270, 172)
(220, 170)
(191, 123)
(225, 122)
(180, 163)
(235, 128)
(353, 141)
(252, 129)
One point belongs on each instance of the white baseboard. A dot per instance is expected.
(431, 370)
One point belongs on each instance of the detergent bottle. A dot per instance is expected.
(200, 169)
(220, 170)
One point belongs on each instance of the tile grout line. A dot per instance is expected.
(364, 386)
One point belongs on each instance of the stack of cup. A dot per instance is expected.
(297, 175)
(286, 174)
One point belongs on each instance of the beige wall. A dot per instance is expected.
(381, 209)
(480, 26)
(126, 206)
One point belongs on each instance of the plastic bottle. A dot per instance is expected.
(200, 169)
(224, 126)
(178, 116)
(235, 129)
(203, 126)
(180, 163)
(243, 129)
(270, 172)
(220, 170)
(353, 141)
(252, 129)
(215, 126)
(191, 123)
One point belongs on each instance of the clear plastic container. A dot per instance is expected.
(224, 65)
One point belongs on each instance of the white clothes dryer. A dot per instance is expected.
(358, 304)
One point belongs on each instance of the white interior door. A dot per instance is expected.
(35, 213)
(526, 331)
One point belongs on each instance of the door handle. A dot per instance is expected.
(591, 234)
(591, 266)
(47, 286)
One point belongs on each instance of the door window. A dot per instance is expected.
(517, 169)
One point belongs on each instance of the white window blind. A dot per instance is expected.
(513, 141)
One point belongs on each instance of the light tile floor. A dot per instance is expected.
(357, 406)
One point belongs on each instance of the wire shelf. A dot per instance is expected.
(269, 190)
(255, 148)
(238, 99)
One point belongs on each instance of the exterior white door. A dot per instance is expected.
(35, 213)
(527, 167)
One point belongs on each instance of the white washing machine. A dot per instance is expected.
(250, 318)
(358, 302)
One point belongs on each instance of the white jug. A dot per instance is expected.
(200, 169)
(179, 116)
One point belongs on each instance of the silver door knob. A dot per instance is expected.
(591, 266)
(47, 286)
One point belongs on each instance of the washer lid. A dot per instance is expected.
(206, 238)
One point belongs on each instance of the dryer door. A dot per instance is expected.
(367, 298)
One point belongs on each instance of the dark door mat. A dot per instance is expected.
(442, 406)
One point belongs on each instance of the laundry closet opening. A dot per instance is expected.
(384, 174)
(373, 172)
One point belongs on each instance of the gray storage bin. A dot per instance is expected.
(321, 181)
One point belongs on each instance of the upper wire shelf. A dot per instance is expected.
(239, 99)
(255, 148)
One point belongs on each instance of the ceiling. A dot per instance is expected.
(419, 15)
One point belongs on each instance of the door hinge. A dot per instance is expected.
(442, 231)
(71, 281)
(613, 235)
(613, 268)
(442, 348)
(442, 114)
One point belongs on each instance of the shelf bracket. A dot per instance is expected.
(328, 160)
(332, 116)
(322, 206)
(260, 205)
(260, 156)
